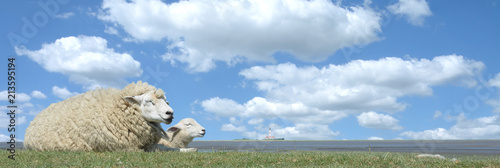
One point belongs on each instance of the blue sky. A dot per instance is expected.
(389, 69)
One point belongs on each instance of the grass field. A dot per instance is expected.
(26, 158)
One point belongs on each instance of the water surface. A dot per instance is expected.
(466, 147)
(460, 147)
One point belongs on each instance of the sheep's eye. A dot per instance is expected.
(189, 124)
(167, 103)
(150, 101)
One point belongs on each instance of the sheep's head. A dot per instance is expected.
(189, 128)
(153, 109)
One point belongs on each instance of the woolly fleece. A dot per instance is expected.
(99, 120)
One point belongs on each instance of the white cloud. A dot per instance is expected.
(111, 30)
(21, 120)
(19, 97)
(320, 96)
(438, 133)
(23, 103)
(231, 127)
(296, 132)
(86, 60)
(7, 138)
(62, 93)
(261, 108)
(305, 131)
(361, 85)
(29, 108)
(223, 107)
(495, 82)
(495, 104)
(437, 114)
(4, 138)
(480, 128)
(5, 120)
(375, 138)
(255, 121)
(378, 121)
(22, 97)
(201, 32)
(66, 15)
(415, 11)
(37, 94)
(310, 123)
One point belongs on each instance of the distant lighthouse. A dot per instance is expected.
(270, 136)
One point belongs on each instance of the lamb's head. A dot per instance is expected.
(153, 109)
(189, 128)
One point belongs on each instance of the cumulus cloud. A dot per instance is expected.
(323, 95)
(86, 60)
(111, 30)
(479, 128)
(255, 121)
(66, 15)
(415, 11)
(378, 121)
(495, 104)
(495, 82)
(201, 32)
(320, 96)
(5, 120)
(62, 93)
(6, 138)
(231, 127)
(375, 138)
(437, 114)
(29, 108)
(261, 108)
(19, 97)
(23, 104)
(309, 123)
(361, 85)
(37, 94)
(223, 107)
(306, 131)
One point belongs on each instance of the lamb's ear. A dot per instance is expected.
(133, 99)
(173, 129)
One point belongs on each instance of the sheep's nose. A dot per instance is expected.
(203, 130)
(171, 114)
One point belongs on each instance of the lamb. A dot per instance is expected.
(102, 120)
(181, 134)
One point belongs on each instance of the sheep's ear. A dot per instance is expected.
(173, 129)
(133, 99)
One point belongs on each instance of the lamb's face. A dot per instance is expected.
(189, 127)
(153, 109)
(193, 128)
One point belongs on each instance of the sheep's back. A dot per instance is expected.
(96, 120)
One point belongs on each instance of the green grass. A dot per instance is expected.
(25, 158)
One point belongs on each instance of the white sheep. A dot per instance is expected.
(102, 120)
(181, 134)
